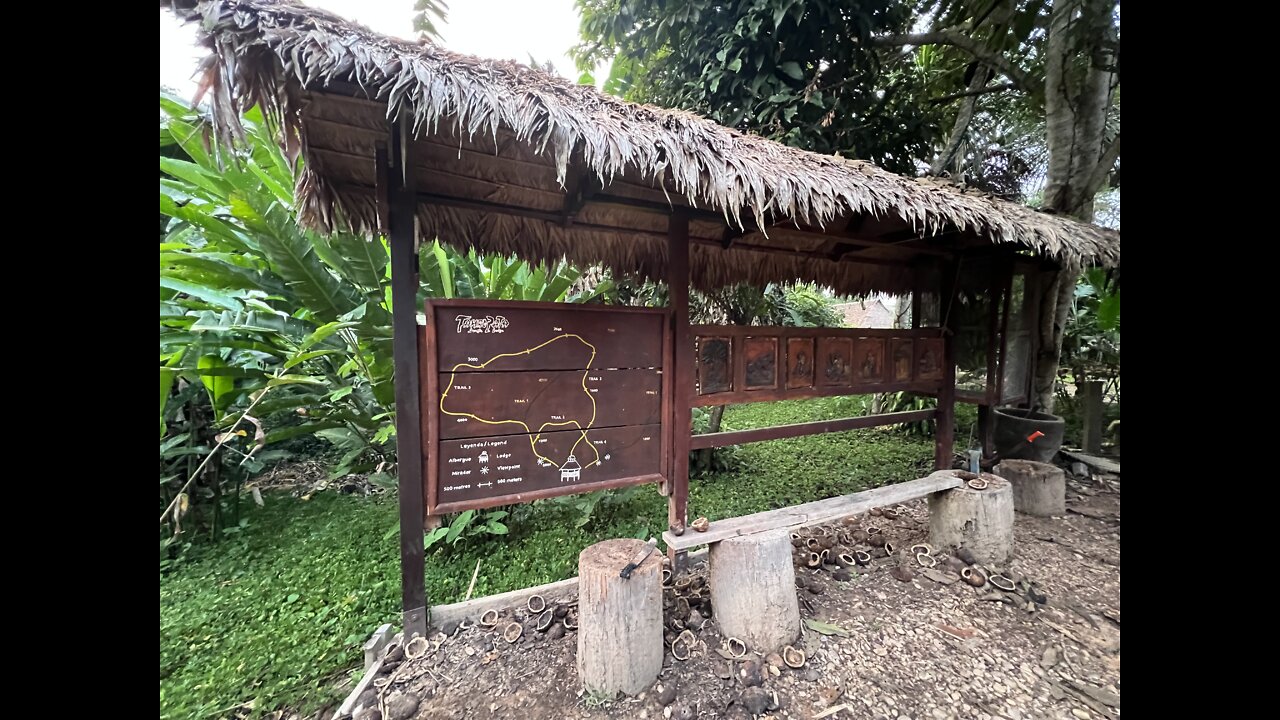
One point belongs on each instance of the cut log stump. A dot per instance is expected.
(980, 520)
(753, 590)
(1038, 488)
(620, 645)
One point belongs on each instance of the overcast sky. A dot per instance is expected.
(498, 29)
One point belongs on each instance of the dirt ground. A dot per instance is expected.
(904, 645)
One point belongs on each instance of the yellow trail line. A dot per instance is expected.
(533, 436)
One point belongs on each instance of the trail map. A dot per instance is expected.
(544, 400)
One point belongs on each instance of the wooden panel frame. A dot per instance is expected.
(824, 342)
(778, 432)
(430, 373)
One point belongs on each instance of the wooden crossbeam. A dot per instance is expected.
(580, 186)
(733, 234)
(778, 432)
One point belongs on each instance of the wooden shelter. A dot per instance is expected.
(414, 141)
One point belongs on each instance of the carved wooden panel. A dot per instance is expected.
(757, 364)
(715, 365)
(800, 365)
(903, 359)
(835, 361)
(761, 357)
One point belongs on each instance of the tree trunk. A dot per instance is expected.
(753, 590)
(967, 106)
(901, 319)
(1039, 488)
(1055, 305)
(620, 646)
(1079, 62)
(713, 426)
(1089, 395)
(980, 520)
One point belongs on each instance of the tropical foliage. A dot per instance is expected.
(792, 71)
(1091, 348)
(257, 312)
(1020, 98)
(426, 13)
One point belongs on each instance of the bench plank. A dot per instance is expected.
(813, 513)
(1093, 461)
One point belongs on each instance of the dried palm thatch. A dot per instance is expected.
(511, 159)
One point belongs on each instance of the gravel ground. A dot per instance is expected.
(889, 640)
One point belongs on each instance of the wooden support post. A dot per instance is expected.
(1089, 394)
(753, 590)
(1031, 313)
(986, 433)
(944, 433)
(682, 377)
(620, 646)
(991, 390)
(917, 297)
(402, 226)
(1006, 304)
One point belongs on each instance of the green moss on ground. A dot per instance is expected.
(274, 617)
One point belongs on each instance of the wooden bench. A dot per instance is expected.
(812, 513)
(764, 613)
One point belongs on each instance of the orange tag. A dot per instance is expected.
(1032, 437)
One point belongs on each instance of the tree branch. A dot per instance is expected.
(969, 93)
(963, 118)
(1108, 159)
(957, 39)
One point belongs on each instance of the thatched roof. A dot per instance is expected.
(515, 160)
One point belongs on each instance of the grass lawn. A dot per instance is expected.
(274, 616)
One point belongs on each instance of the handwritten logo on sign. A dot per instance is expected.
(490, 324)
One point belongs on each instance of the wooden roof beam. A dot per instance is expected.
(733, 234)
(580, 186)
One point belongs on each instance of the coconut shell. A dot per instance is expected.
(681, 608)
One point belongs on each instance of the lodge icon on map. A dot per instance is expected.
(571, 471)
